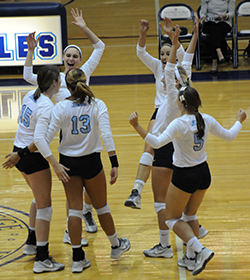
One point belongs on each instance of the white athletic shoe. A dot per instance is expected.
(66, 239)
(116, 252)
(29, 249)
(202, 259)
(79, 266)
(159, 252)
(202, 232)
(134, 200)
(187, 263)
(48, 265)
(90, 225)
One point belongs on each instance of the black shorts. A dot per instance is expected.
(190, 179)
(85, 166)
(31, 163)
(154, 114)
(163, 157)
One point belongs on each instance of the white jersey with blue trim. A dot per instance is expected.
(169, 109)
(155, 65)
(88, 68)
(33, 113)
(80, 125)
(188, 149)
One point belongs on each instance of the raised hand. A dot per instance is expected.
(241, 115)
(77, 15)
(167, 27)
(196, 24)
(32, 41)
(176, 35)
(133, 119)
(144, 25)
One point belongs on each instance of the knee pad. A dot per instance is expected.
(170, 223)
(146, 159)
(34, 200)
(186, 218)
(105, 209)
(44, 214)
(159, 206)
(75, 213)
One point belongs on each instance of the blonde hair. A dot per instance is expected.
(183, 77)
(76, 82)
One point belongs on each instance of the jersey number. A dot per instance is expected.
(85, 119)
(25, 115)
(198, 143)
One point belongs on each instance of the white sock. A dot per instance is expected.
(76, 246)
(86, 208)
(164, 237)
(195, 244)
(138, 185)
(190, 253)
(41, 243)
(114, 240)
(32, 228)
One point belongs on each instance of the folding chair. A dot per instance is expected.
(229, 36)
(242, 10)
(180, 12)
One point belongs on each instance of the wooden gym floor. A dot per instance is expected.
(225, 211)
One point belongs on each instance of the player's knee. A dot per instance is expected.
(170, 223)
(105, 209)
(146, 159)
(187, 218)
(44, 214)
(159, 206)
(75, 213)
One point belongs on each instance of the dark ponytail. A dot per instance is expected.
(45, 77)
(191, 101)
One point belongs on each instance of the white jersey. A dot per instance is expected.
(88, 68)
(155, 65)
(169, 109)
(188, 149)
(80, 125)
(33, 119)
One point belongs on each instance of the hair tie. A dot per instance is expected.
(196, 111)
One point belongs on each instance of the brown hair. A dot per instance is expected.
(192, 102)
(45, 77)
(76, 81)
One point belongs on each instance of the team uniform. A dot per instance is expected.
(32, 121)
(88, 68)
(189, 151)
(155, 65)
(81, 146)
(168, 111)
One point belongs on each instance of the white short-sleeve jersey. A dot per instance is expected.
(88, 68)
(33, 114)
(188, 149)
(80, 125)
(155, 65)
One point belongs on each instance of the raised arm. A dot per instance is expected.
(80, 22)
(192, 44)
(167, 27)
(28, 74)
(144, 27)
(175, 44)
(32, 44)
